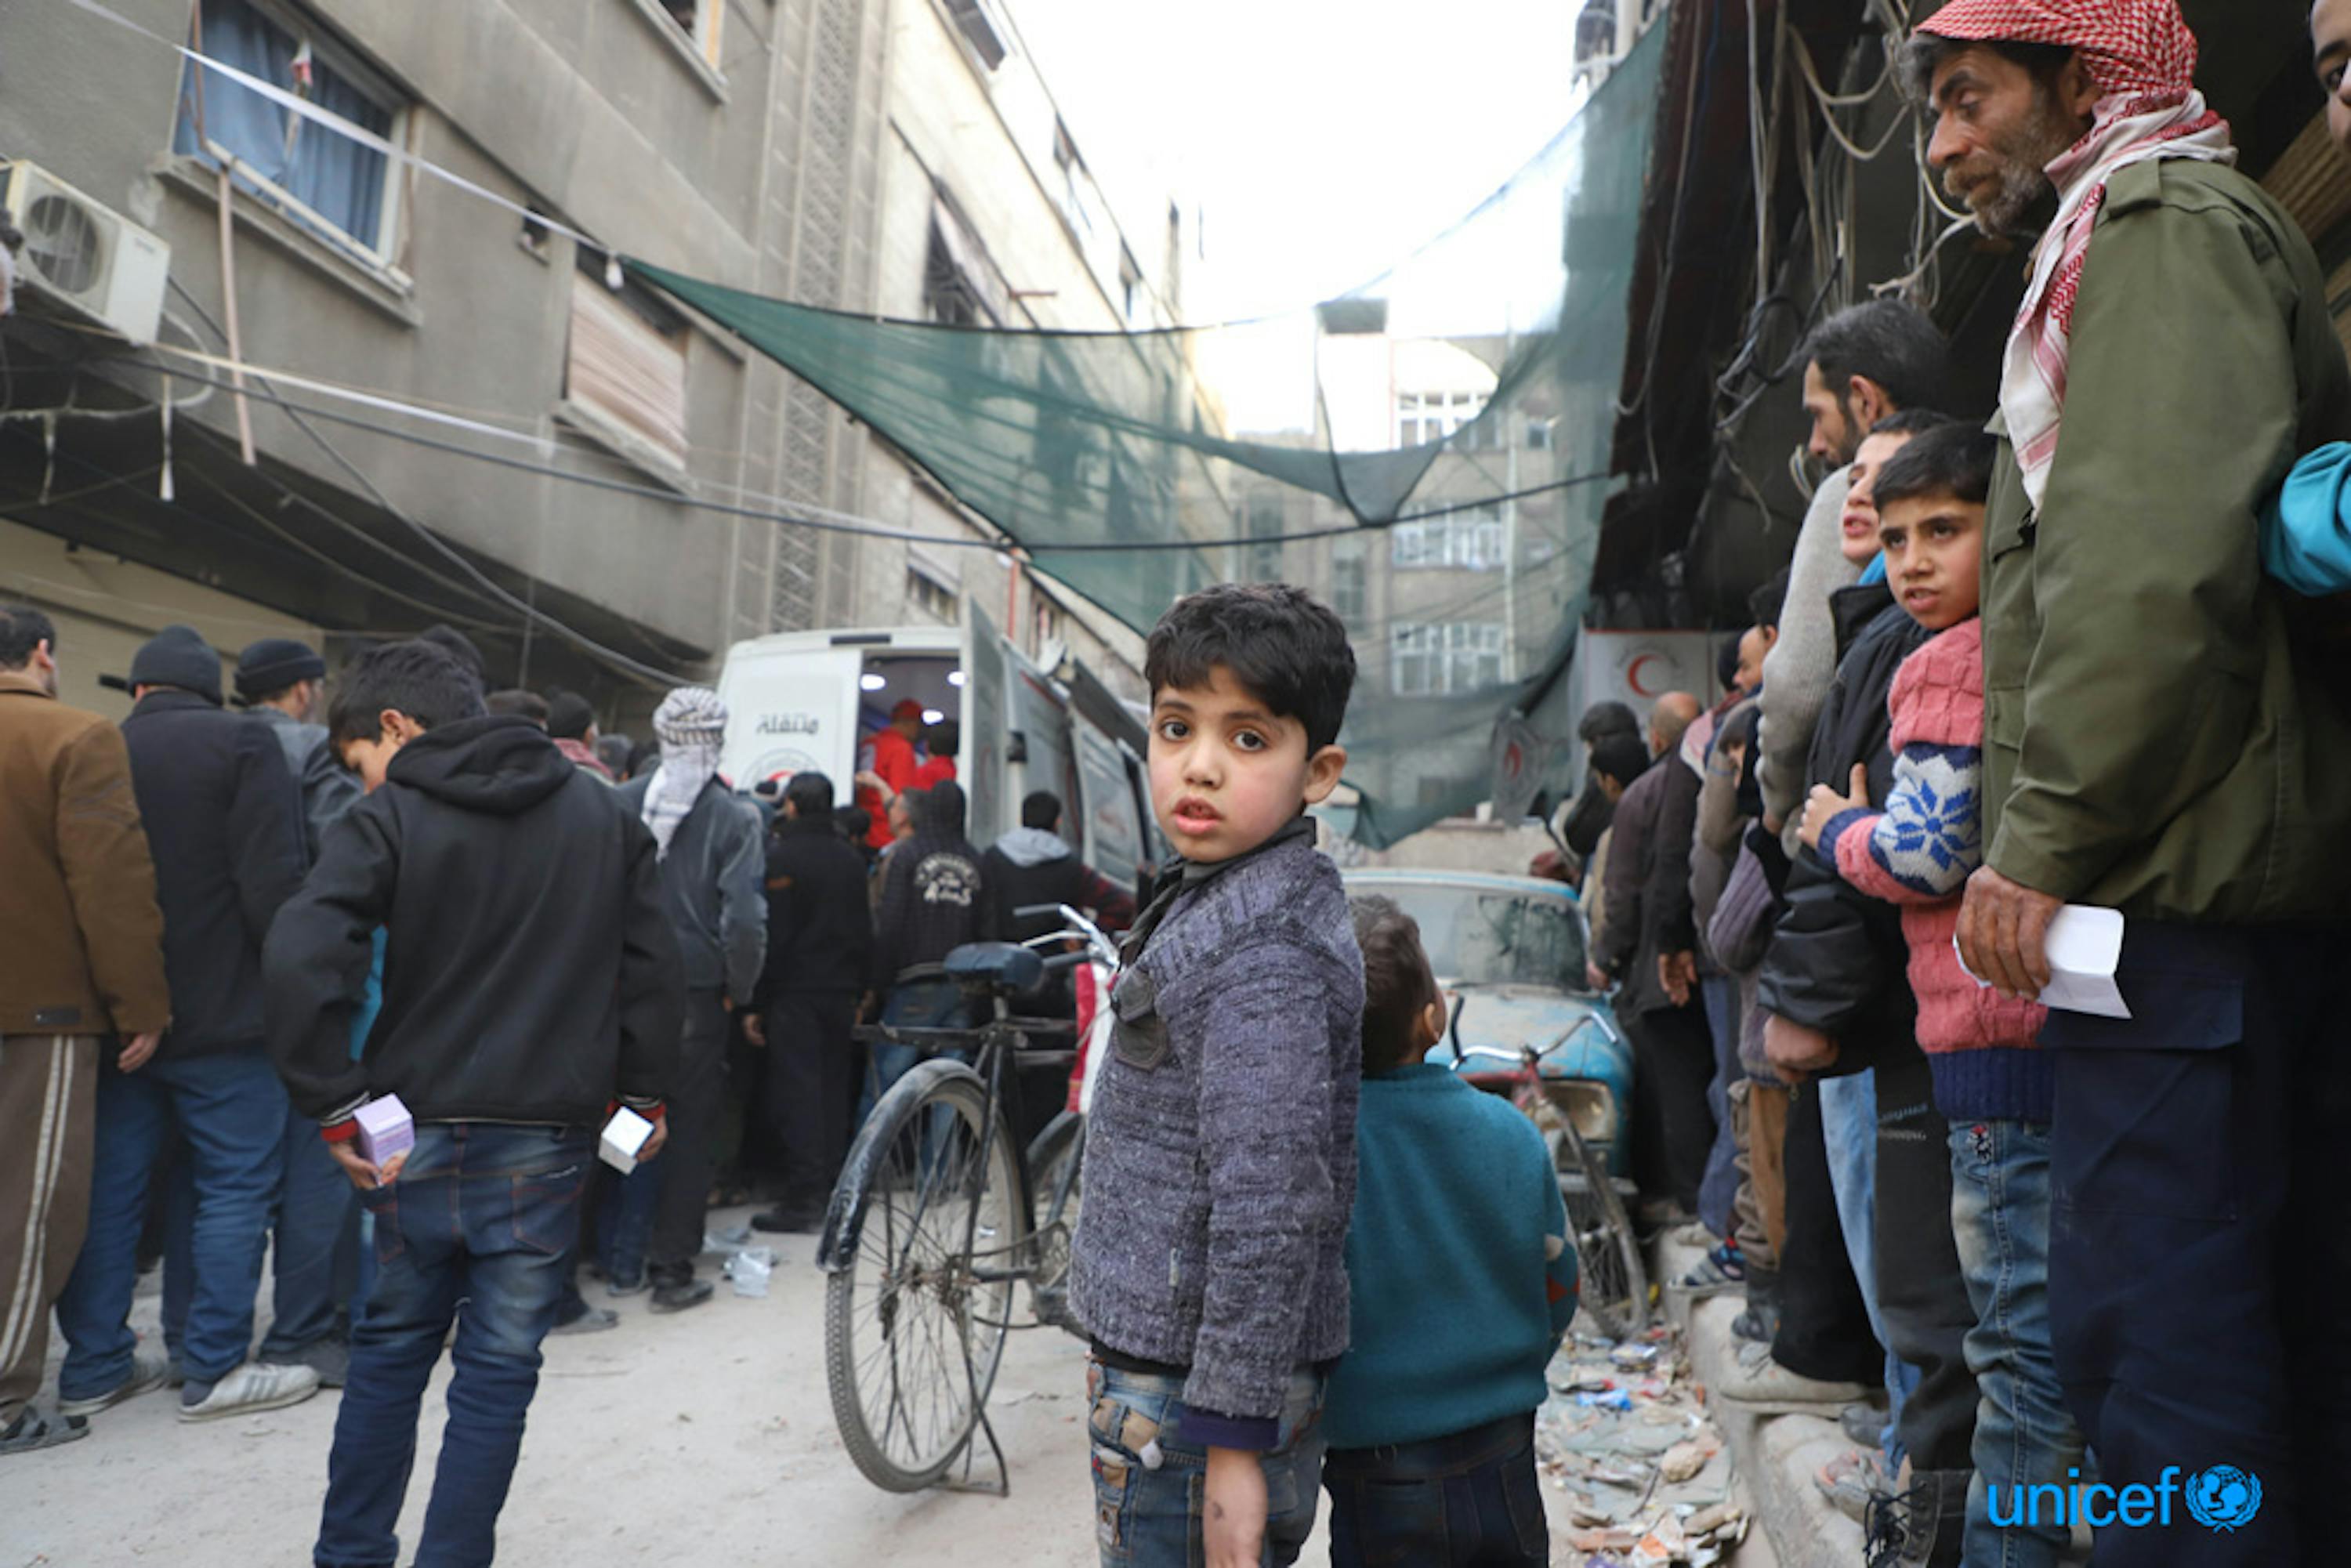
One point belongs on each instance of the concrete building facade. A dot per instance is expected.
(814, 150)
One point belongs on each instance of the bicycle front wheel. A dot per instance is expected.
(1612, 1283)
(916, 1315)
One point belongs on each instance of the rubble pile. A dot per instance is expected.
(1643, 1473)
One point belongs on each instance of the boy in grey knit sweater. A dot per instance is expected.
(1220, 1157)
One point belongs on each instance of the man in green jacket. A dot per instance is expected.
(2158, 741)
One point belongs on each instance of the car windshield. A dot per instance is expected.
(1480, 936)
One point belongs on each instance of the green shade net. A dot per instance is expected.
(1427, 454)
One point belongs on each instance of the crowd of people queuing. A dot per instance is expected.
(2052, 1267)
(229, 932)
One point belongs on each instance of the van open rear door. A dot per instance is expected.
(789, 710)
(984, 726)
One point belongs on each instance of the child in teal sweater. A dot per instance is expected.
(1462, 1284)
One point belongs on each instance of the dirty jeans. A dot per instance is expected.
(2024, 1435)
(477, 1229)
(1469, 1498)
(1148, 1513)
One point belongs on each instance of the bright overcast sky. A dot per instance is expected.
(1322, 139)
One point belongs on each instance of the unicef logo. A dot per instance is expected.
(2224, 1497)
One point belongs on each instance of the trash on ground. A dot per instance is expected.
(1643, 1472)
(748, 1270)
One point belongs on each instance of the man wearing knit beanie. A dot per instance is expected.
(282, 683)
(223, 821)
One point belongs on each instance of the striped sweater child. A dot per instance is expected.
(1918, 852)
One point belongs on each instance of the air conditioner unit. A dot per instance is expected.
(85, 256)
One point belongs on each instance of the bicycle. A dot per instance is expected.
(1612, 1280)
(931, 1226)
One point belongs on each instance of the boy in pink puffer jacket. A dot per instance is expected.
(1991, 1083)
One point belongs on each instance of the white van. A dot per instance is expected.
(802, 700)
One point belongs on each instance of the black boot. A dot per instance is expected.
(1925, 1527)
(675, 1287)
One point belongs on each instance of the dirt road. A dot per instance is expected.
(700, 1441)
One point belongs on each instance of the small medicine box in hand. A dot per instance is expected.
(385, 1129)
(624, 1135)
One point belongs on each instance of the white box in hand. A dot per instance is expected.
(624, 1135)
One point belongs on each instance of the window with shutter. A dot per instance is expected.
(627, 370)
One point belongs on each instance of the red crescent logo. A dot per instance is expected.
(1633, 676)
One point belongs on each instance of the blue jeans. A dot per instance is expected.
(231, 1109)
(316, 1225)
(920, 1004)
(1148, 1512)
(475, 1229)
(1849, 1122)
(316, 1205)
(2024, 1435)
(1469, 1498)
(624, 1222)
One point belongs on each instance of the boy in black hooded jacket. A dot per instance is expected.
(531, 979)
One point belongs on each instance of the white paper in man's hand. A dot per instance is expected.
(2084, 947)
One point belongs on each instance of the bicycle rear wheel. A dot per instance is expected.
(916, 1315)
(1612, 1282)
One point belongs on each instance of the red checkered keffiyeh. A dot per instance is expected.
(2142, 57)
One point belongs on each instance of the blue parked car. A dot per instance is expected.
(1509, 953)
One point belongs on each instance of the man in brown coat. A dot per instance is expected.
(82, 967)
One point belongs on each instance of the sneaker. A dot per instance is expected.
(1720, 1270)
(150, 1370)
(255, 1385)
(32, 1429)
(1852, 1480)
(622, 1285)
(591, 1320)
(1762, 1384)
(784, 1221)
(676, 1294)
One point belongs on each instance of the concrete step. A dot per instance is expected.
(1776, 1455)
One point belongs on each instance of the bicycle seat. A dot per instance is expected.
(1004, 966)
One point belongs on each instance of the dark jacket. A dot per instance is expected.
(1838, 961)
(932, 894)
(1028, 867)
(81, 942)
(1667, 903)
(1220, 1157)
(713, 879)
(1649, 900)
(2159, 740)
(224, 825)
(329, 788)
(819, 934)
(530, 971)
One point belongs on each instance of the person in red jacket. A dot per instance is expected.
(943, 740)
(894, 763)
